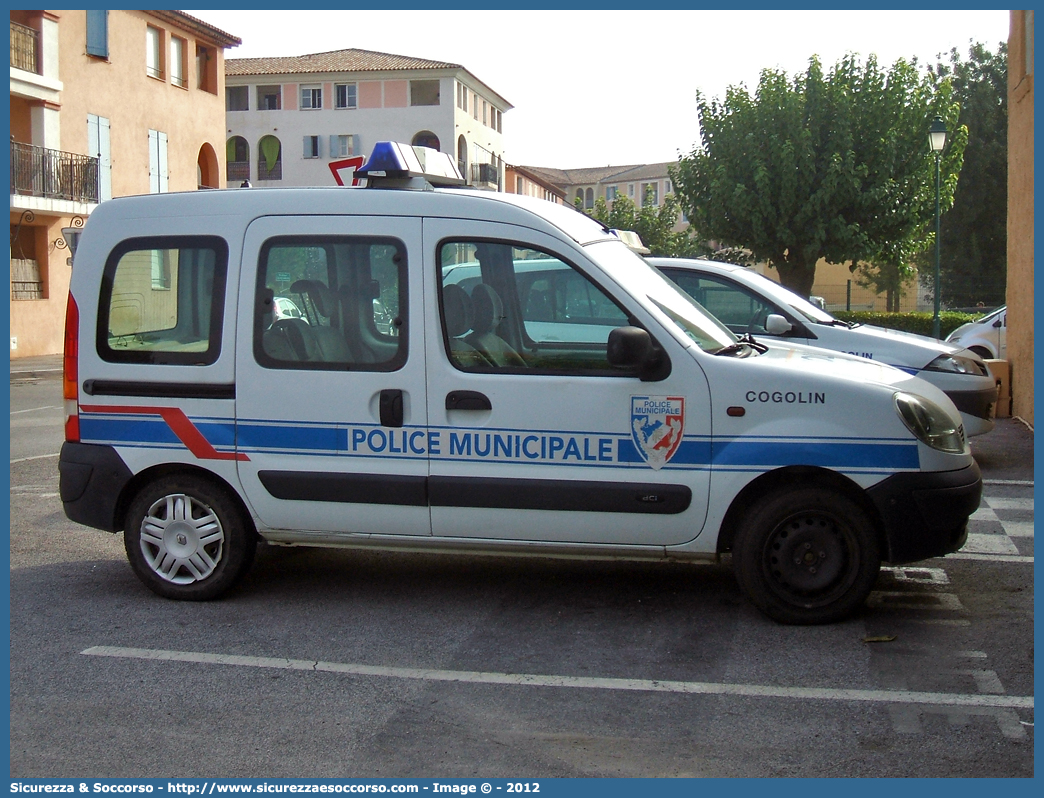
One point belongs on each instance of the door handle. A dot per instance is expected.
(391, 407)
(467, 400)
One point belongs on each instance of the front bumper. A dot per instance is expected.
(926, 515)
(978, 404)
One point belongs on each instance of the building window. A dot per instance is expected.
(475, 106)
(311, 98)
(499, 120)
(424, 92)
(630, 190)
(154, 52)
(344, 146)
(177, 62)
(610, 193)
(580, 196)
(426, 139)
(518, 185)
(237, 159)
(236, 98)
(462, 155)
(589, 199)
(206, 69)
(98, 33)
(269, 98)
(462, 97)
(311, 146)
(485, 113)
(26, 280)
(666, 187)
(269, 159)
(345, 95)
(650, 194)
(157, 162)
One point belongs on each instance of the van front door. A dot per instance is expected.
(331, 423)
(535, 437)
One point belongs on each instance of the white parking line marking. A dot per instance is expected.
(1025, 483)
(924, 576)
(34, 409)
(962, 555)
(1018, 529)
(1005, 503)
(34, 457)
(988, 544)
(540, 680)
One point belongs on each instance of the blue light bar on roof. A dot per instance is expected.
(398, 162)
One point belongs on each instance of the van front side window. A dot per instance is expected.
(331, 302)
(162, 301)
(507, 306)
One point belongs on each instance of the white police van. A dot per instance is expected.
(197, 422)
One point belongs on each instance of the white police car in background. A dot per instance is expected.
(986, 337)
(471, 419)
(747, 302)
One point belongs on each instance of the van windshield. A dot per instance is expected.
(641, 279)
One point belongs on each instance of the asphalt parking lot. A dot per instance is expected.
(348, 664)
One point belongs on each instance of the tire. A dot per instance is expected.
(806, 555)
(187, 539)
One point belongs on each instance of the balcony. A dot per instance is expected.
(265, 173)
(25, 45)
(53, 174)
(237, 170)
(485, 174)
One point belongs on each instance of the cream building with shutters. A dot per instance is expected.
(289, 118)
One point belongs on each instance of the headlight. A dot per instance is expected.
(956, 364)
(929, 423)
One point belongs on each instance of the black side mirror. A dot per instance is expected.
(633, 349)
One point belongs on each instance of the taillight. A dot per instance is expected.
(70, 364)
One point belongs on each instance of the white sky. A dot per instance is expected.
(599, 88)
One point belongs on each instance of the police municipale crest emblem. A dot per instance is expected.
(657, 423)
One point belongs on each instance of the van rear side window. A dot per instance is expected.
(162, 300)
(331, 303)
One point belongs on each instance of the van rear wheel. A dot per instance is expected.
(806, 555)
(187, 539)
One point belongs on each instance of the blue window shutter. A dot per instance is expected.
(98, 33)
(307, 147)
(356, 145)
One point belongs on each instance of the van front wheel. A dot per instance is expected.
(187, 539)
(806, 555)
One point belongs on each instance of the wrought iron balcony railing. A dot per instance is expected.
(40, 172)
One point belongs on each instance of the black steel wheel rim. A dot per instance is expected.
(811, 559)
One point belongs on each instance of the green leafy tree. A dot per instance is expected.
(832, 166)
(973, 264)
(654, 224)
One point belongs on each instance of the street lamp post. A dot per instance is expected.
(937, 140)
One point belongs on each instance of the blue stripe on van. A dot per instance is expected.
(772, 454)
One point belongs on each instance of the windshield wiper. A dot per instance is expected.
(745, 340)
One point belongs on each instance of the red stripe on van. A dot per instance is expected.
(176, 419)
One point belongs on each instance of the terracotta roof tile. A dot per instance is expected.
(335, 61)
